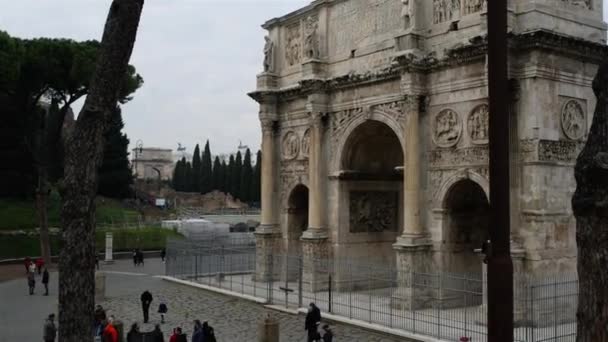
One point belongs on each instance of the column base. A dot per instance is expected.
(267, 244)
(413, 264)
(267, 80)
(313, 69)
(315, 264)
(315, 234)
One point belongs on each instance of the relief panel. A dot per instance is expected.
(477, 124)
(293, 45)
(373, 211)
(573, 119)
(447, 128)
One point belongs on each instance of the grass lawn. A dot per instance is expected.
(21, 215)
(22, 245)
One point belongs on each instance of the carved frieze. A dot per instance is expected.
(340, 120)
(473, 6)
(311, 38)
(574, 120)
(559, 151)
(477, 124)
(461, 156)
(293, 45)
(290, 145)
(373, 211)
(445, 10)
(305, 145)
(586, 4)
(447, 128)
(392, 109)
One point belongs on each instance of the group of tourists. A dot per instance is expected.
(36, 267)
(138, 257)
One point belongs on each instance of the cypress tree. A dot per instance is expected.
(246, 177)
(177, 173)
(256, 183)
(207, 172)
(196, 170)
(115, 177)
(225, 177)
(236, 175)
(217, 174)
(188, 186)
(229, 176)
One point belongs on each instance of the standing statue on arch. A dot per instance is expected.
(268, 55)
(408, 14)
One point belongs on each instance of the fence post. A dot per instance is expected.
(532, 311)
(330, 298)
(196, 266)
(439, 299)
(555, 307)
(300, 273)
(466, 308)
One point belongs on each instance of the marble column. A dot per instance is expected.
(413, 246)
(315, 249)
(267, 234)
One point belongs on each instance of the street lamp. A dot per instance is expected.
(139, 147)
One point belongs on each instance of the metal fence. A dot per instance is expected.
(441, 305)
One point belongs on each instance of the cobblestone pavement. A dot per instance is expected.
(22, 316)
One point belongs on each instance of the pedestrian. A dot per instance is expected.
(198, 334)
(178, 336)
(313, 319)
(45, 281)
(141, 258)
(32, 267)
(50, 330)
(157, 334)
(146, 300)
(134, 335)
(100, 319)
(109, 332)
(208, 333)
(163, 253)
(26, 262)
(135, 257)
(31, 282)
(162, 310)
(39, 264)
(328, 336)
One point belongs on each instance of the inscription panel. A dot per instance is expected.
(461, 156)
(373, 211)
(353, 23)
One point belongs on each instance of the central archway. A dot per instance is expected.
(371, 191)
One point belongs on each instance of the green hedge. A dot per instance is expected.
(22, 245)
(21, 215)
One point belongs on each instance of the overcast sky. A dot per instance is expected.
(198, 58)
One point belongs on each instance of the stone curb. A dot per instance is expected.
(214, 289)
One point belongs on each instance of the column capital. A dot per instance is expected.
(268, 125)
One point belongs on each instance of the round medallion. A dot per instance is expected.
(574, 121)
(477, 124)
(291, 145)
(447, 128)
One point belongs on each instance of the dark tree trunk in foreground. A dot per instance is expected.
(83, 156)
(590, 206)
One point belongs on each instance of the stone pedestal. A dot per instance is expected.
(109, 248)
(268, 330)
(313, 69)
(315, 264)
(408, 41)
(267, 81)
(413, 290)
(267, 266)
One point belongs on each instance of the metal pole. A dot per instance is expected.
(500, 265)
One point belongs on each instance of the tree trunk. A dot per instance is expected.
(43, 221)
(590, 206)
(84, 153)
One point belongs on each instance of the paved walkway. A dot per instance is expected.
(22, 316)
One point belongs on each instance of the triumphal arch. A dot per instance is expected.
(375, 131)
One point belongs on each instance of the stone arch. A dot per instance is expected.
(462, 174)
(346, 133)
(296, 218)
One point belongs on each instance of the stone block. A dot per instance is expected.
(266, 81)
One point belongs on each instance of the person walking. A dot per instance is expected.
(100, 319)
(134, 335)
(31, 282)
(39, 265)
(162, 310)
(208, 333)
(45, 281)
(109, 333)
(313, 319)
(50, 330)
(198, 334)
(140, 257)
(26, 262)
(32, 267)
(328, 336)
(157, 334)
(146, 300)
(163, 253)
(135, 257)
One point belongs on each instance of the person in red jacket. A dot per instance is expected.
(39, 264)
(178, 336)
(109, 333)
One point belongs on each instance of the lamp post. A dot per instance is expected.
(500, 265)
(139, 147)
